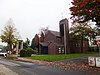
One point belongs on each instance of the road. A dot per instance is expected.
(25, 68)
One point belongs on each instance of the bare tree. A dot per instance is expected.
(43, 30)
(9, 34)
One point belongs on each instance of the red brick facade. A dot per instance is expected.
(53, 42)
(75, 46)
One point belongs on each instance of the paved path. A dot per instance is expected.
(6, 71)
(11, 67)
(75, 66)
(72, 65)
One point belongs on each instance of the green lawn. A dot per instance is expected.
(59, 57)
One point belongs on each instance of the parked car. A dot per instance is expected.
(3, 53)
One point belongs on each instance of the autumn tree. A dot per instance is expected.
(81, 31)
(9, 34)
(85, 10)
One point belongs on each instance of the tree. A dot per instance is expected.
(81, 31)
(26, 43)
(82, 28)
(9, 34)
(43, 31)
(42, 36)
(36, 41)
(32, 44)
(85, 10)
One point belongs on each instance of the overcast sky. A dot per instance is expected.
(30, 15)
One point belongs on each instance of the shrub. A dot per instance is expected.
(26, 52)
(29, 51)
(23, 53)
(34, 51)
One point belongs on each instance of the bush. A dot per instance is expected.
(29, 51)
(23, 53)
(34, 51)
(26, 52)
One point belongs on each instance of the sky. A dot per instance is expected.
(29, 16)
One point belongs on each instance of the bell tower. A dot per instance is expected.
(64, 33)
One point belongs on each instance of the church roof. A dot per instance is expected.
(56, 33)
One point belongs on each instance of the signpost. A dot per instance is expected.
(91, 61)
(97, 61)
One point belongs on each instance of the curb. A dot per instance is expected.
(26, 60)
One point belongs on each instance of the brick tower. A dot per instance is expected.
(64, 32)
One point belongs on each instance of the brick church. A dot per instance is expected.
(53, 42)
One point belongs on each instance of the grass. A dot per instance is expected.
(59, 57)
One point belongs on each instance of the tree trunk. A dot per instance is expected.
(81, 44)
(10, 47)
